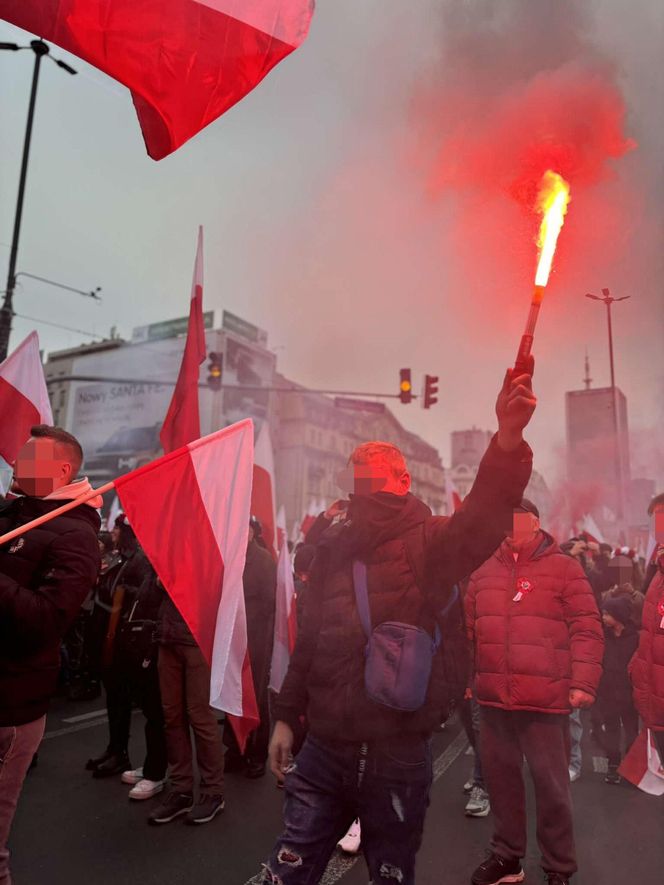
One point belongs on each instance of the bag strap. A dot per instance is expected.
(362, 595)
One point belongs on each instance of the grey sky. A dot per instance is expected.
(319, 231)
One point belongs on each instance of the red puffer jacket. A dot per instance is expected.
(531, 652)
(647, 666)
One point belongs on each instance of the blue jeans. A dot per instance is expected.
(384, 783)
(575, 734)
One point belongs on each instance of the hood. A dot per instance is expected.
(75, 490)
(374, 519)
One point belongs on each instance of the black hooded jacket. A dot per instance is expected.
(413, 561)
(45, 575)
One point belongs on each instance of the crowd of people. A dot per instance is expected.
(402, 618)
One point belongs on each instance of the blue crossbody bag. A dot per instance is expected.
(398, 656)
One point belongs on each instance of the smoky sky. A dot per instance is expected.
(367, 205)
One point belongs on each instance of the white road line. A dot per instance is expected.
(600, 764)
(84, 716)
(341, 864)
(80, 726)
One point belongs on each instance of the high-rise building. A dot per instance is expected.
(595, 457)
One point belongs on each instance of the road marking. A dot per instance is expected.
(340, 864)
(84, 716)
(80, 726)
(600, 764)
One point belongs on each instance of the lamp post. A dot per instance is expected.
(40, 50)
(608, 300)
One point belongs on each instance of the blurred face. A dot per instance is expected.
(250, 536)
(524, 528)
(115, 535)
(376, 476)
(611, 622)
(40, 468)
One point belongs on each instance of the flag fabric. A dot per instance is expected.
(642, 765)
(190, 512)
(452, 496)
(282, 532)
(23, 400)
(186, 62)
(182, 424)
(263, 493)
(285, 621)
(588, 525)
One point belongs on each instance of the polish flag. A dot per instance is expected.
(190, 512)
(263, 494)
(186, 62)
(23, 399)
(182, 424)
(642, 765)
(452, 496)
(282, 533)
(285, 621)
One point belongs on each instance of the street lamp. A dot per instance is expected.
(40, 50)
(91, 293)
(608, 300)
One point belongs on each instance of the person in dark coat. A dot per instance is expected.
(45, 575)
(362, 757)
(614, 695)
(537, 640)
(114, 598)
(260, 593)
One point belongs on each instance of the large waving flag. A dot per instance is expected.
(190, 512)
(285, 620)
(182, 424)
(642, 766)
(23, 401)
(263, 492)
(186, 62)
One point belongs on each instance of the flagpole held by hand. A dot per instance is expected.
(47, 517)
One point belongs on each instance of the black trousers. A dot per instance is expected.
(543, 739)
(622, 719)
(128, 683)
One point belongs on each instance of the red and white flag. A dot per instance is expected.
(285, 621)
(452, 496)
(23, 398)
(263, 492)
(190, 512)
(182, 424)
(186, 62)
(642, 765)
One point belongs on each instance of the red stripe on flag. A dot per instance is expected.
(262, 505)
(17, 415)
(250, 720)
(194, 581)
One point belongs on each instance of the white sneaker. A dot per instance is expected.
(350, 844)
(132, 777)
(574, 775)
(478, 805)
(146, 789)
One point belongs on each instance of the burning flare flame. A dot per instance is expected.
(552, 201)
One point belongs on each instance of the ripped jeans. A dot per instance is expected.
(385, 783)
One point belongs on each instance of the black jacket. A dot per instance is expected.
(45, 575)
(325, 680)
(259, 581)
(615, 688)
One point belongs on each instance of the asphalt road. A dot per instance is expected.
(75, 830)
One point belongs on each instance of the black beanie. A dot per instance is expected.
(619, 607)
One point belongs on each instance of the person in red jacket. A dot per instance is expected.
(647, 666)
(537, 640)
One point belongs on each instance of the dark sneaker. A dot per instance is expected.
(497, 870)
(172, 806)
(112, 766)
(92, 764)
(255, 770)
(612, 776)
(556, 879)
(205, 809)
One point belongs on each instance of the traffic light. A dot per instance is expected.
(430, 390)
(215, 368)
(405, 386)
